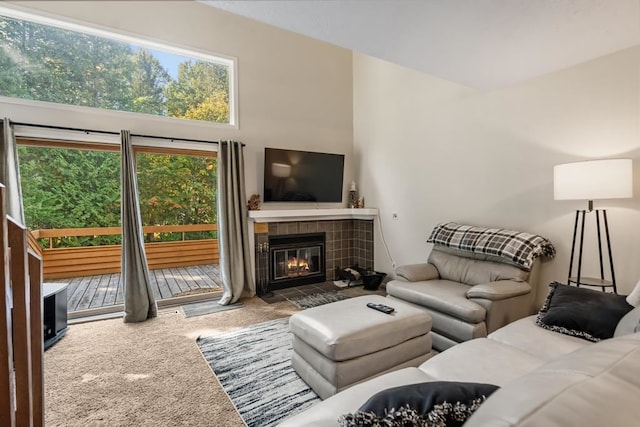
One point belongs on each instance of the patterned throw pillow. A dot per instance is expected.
(581, 312)
(430, 404)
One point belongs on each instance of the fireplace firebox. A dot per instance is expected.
(296, 259)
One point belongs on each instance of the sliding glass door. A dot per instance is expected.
(177, 190)
(71, 195)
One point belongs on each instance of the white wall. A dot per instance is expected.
(294, 92)
(435, 151)
(425, 148)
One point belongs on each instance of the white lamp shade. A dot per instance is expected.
(280, 170)
(593, 180)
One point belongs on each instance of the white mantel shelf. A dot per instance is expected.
(278, 215)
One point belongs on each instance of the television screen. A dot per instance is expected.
(302, 176)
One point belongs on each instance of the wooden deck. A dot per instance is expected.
(105, 290)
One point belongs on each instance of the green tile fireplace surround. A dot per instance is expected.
(348, 235)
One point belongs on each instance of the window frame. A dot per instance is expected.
(65, 23)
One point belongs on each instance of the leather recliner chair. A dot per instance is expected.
(468, 295)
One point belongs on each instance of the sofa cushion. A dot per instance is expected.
(581, 312)
(525, 335)
(500, 290)
(417, 272)
(471, 271)
(326, 413)
(446, 401)
(441, 295)
(482, 361)
(629, 324)
(591, 387)
(454, 328)
(634, 297)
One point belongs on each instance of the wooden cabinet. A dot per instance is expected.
(21, 337)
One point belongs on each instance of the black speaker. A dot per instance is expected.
(54, 312)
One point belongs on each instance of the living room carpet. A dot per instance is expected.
(253, 366)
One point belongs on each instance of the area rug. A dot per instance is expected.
(253, 366)
(314, 300)
(207, 307)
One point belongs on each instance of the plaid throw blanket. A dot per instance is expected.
(519, 248)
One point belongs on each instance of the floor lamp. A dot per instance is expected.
(592, 180)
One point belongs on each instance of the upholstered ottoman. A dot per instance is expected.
(342, 343)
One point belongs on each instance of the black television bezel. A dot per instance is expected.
(322, 153)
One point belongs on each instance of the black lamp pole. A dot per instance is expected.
(578, 279)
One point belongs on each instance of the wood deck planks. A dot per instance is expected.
(153, 282)
(192, 280)
(107, 289)
(184, 286)
(86, 299)
(170, 281)
(101, 292)
(205, 272)
(112, 290)
(73, 299)
(120, 292)
(72, 285)
(162, 284)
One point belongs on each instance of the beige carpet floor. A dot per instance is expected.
(108, 373)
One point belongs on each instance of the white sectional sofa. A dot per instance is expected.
(545, 378)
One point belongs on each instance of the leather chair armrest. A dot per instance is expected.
(417, 272)
(499, 290)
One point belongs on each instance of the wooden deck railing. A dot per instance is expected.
(91, 260)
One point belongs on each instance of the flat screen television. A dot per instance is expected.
(302, 176)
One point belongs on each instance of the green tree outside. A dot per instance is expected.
(201, 92)
(176, 190)
(66, 188)
(71, 188)
(149, 79)
(45, 63)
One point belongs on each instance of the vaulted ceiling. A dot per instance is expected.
(483, 44)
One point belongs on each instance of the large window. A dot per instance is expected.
(85, 67)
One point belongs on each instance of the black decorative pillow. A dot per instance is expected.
(430, 404)
(581, 312)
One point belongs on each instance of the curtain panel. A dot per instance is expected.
(10, 172)
(139, 303)
(233, 233)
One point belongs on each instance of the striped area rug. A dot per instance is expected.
(314, 300)
(254, 367)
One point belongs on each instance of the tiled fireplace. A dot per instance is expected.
(296, 259)
(346, 242)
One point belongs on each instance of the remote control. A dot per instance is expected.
(381, 307)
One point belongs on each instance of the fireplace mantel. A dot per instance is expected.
(283, 215)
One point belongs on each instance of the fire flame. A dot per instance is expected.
(298, 264)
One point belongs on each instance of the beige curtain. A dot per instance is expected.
(139, 303)
(10, 172)
(233, 235)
